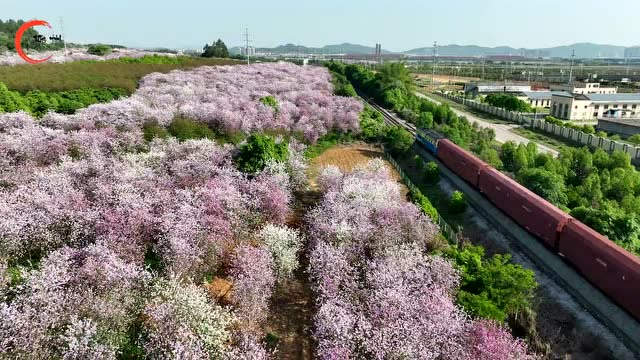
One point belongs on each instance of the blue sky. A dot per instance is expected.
(397, 25)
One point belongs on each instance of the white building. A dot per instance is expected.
(584, 88)
(539, 99)
(594, 106)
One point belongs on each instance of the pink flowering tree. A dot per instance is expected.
(80, 303)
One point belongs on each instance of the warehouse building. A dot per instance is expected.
(476, 89)
(623, 127)
(584, 88)
(594, 106)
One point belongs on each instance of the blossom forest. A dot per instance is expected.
(110, 241)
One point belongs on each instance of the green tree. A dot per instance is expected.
(548, 185)
(258, 151)
(508, 102)
(372, 125)
(509, 154)
(425, 120)
(218, 49)
(491, 157)
(398, 140)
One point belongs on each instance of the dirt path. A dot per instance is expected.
(290, 323)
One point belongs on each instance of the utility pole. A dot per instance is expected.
(433, 68)
(573, 55)
(246, 43)
(64, 41)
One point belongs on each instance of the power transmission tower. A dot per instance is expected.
(433, 68)
(64, 41)
(573, 55)
(246, 43)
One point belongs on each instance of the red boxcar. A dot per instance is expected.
(529, 210)
(463, 163)
(608, 266)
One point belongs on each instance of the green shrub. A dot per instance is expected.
(99, 49)
(185, 129)
(270, 101)
(432, 172)
(457, 203)
(423, 203)
(153, 130)
(258, 150)
(635, 139)
(418, 161)
(615, 137)
(491, 288)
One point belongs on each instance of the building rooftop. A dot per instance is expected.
(632, 97)
(543, 95)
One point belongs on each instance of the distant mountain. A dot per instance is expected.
(344, 48)
(583, 50)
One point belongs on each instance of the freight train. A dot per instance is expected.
(608, 266)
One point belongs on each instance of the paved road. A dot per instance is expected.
(503, 131)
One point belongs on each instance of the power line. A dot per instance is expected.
(573, 55)
(64, 41)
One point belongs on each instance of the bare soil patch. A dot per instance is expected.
(347, 157)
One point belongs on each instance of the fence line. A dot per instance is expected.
(573, 135)
(445, 229)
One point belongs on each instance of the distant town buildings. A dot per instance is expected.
(251, 51)
(632, 52)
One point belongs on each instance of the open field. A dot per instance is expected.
(444, 79)
(75, 75)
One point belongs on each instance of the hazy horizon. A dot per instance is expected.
(401, 26)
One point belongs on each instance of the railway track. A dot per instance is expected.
(616, 319)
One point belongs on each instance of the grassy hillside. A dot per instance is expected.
(75, 75)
